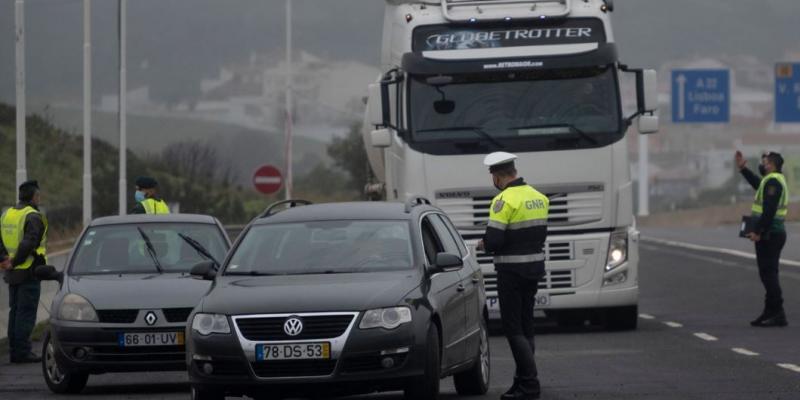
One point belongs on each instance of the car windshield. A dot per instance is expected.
(118, 249)
(323, 247)
(531, 110)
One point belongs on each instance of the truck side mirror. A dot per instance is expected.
(375, 104)
(648, 124)
(381, 138)
(647, 87)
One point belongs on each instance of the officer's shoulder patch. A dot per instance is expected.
(498, 206)
(772, 190)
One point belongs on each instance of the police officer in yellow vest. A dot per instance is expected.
(23, 248)
(146, 196)
(770, 207)
(515, 237)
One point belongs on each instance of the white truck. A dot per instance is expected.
(538, 78)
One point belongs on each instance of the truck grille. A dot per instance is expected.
(552, 280)
(314, 327)
(568, 207)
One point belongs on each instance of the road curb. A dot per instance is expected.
(718, 250)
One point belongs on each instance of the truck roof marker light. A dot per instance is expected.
(473, 19)
(508, 19)
(409, 18)
(542, 17)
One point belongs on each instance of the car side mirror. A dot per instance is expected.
(205, 270)
(48, 273)
(447, 262)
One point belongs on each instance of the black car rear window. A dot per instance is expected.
(323, 247)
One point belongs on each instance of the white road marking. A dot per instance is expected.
(744, 352)
(706, 337)
(673, 324)
(790, 367)
(646, 316)
(719, 250)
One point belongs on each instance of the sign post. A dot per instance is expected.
(268, 180)
(787, 93)
(701, 96)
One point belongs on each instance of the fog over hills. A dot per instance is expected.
(173, 44)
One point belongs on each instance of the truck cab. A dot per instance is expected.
(540, 79)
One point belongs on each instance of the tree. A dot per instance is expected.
(349, 154)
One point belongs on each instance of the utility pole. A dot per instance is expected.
(123, 107)
(19, 20)
(289, 102)
(87, 111)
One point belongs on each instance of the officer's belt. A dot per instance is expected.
(519, 259)
(518, 225)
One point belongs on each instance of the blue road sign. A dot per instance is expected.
(701, 96)
(787, 93)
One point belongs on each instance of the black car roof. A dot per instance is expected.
(140, 218)
(344, 211)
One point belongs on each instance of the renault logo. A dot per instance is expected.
(293, 326)
(151, 318)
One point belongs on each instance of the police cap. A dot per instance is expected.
(31, 184)
(499, 160)
(146, 182)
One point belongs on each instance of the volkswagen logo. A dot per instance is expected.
(293, 326)
(151, 318)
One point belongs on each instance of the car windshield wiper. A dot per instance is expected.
(151, 250)
(251, 273)
(199, 249)
(479, 131)
(571, 127)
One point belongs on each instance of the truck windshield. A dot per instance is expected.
(524, 111)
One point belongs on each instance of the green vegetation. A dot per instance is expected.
(195, 174)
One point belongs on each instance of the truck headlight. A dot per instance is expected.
(386, 318)
(206, 324)
(617, 250)
(76, 308)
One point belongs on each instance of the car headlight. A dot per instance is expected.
(206, 324)
(77, 308)
(617, 250)
(386, 318)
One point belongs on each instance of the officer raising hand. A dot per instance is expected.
(515, 237)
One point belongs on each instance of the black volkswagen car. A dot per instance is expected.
(339, 299)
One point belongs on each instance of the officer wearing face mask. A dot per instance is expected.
(770, 209)
(515, 238)
(146, 196)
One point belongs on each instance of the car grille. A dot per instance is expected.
(138, 354)
(314, 327)
(117, 316)
(552, 280)
(286, 369)
(176, 315)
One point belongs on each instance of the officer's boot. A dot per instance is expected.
(775, 320)
(509, 394)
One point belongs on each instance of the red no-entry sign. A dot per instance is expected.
(268, 179)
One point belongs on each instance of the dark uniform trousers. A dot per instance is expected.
(517, 288)
(768, 255)
(23, 300)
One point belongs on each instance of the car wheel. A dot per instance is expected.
(475, 381)
(58, 380)
(426, 387)
(622, 318)
(199, 393)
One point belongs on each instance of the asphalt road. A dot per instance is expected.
(695, 310)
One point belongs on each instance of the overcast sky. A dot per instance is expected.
(175, 43)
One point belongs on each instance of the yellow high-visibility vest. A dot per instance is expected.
(783, 205)
(153, 206)
(515, 209)
(12, 228)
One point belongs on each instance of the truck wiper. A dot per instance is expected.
(482, 133)
(199, 248)
(571, 127)
(151, 250)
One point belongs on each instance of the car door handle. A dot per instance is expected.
(461, 288)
